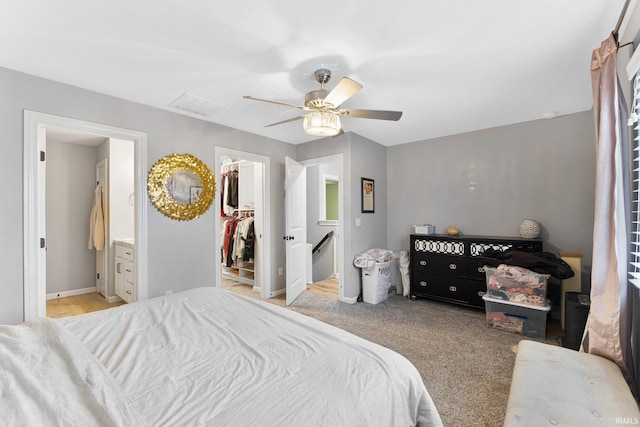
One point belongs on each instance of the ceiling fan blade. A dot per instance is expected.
(285, 121)
(274, 102)
(344, 90)
(371, 114)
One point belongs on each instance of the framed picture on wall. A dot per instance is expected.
(368, 195)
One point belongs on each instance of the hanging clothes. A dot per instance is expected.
(96, 221)
(238, 240)
(249, 242)
(223, 183)
(231, 192)
(230, 242)
(240, 237)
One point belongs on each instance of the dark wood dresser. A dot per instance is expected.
(449, 268)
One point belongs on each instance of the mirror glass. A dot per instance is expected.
(184, 186)
(181, 186)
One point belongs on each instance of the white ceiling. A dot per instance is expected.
(74, 137)
(451, 66)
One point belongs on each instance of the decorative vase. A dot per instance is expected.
(453, 230)
(529, 229)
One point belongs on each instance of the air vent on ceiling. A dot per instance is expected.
(196, 105)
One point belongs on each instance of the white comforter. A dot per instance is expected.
(48, 378)
(211, 357)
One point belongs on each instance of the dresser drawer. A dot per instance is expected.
(124, 252)
(475, 268)
(127, 271)
(476, 289)
(450, 287)
(439, 264)
(127, 292)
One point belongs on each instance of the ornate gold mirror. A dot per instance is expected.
(181, 186)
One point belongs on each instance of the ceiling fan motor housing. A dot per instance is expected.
(315, 99)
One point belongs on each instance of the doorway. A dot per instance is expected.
(36, 126)
(73, 182)
(325, 213)
(251, 208)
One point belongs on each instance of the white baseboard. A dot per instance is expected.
(113, 299)
(349, 300)
(278, 292)
(71, 293)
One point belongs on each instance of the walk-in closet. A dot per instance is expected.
(240, 187)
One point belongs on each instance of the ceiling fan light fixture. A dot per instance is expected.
(321, 123)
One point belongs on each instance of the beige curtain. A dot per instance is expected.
(607, 329)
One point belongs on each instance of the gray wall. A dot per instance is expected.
(543, 169)
(368, 160)
(71, 175)
(179, 256)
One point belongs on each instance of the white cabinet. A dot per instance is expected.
(124, 271)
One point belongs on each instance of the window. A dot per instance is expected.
(634, 239)
(329, 201)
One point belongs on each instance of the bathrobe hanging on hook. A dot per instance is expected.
(96, 222)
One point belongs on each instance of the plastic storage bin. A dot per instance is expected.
(516, 284)
(523, 319)
(376, 283)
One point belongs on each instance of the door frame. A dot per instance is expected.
(104, 163)
(262, 278)
(338, 159)
(34, 209)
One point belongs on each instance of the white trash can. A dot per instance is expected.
(395, 278)
(376, 283)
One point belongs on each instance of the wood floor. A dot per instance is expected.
(86, 303)
(328, 288)
(78, 304)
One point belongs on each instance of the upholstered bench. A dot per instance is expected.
(553, 385)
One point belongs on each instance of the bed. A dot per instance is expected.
(206, 356)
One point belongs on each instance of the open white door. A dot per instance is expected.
(101, 256)
(295, 228)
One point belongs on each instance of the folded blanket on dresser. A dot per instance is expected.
(48, 377)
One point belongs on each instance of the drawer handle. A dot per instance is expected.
(128, 253)
(453, 289)
(128, 271)
(423, 283)
(481, 293)
(118, 267)
(423, 262)
(480, 269)
(129, 292)
(452, 266)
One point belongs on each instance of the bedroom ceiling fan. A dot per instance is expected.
(323, 107)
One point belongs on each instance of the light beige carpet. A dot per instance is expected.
(465, 366)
